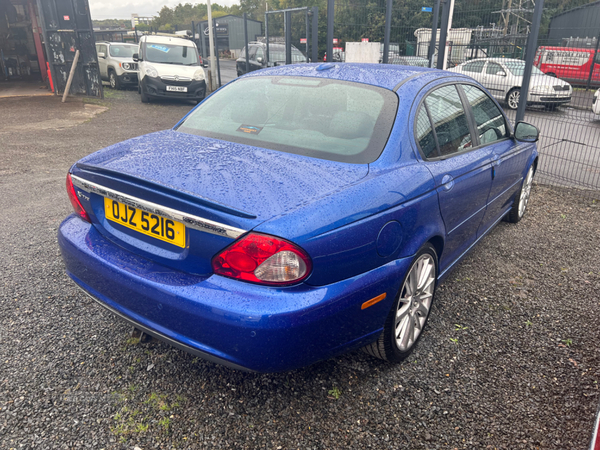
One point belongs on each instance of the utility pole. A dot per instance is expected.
(211, 44)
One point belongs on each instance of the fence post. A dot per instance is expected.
(434, 28)
(443, 35)
(386, 36)
(266, 34)
(217, 50)
(307, 34)
(203, 42)
(287, 25)
(246, 42)
(330, 13)
(593, 62)
(529, 56)
(315, 34)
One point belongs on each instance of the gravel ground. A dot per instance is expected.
(510, 359)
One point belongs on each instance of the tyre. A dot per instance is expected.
(114, 80)
(517, 211)
(512, 98)
(407, 318)
(143, 96)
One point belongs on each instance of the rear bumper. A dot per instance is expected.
(155, 87)
(236, 324)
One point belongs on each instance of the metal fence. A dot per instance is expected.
(560, 101)
(490, 45)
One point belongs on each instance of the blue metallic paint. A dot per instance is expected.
(260, 328)
(336, 212)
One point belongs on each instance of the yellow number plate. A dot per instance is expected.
(158, 227)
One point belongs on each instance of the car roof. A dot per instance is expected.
(387, 76)
(496, 60)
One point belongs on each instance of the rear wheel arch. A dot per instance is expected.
(438, 244)
(410, 310)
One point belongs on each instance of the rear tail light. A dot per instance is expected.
(263, 259)
(77, 206)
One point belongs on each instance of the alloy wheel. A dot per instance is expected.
(414, 303)
(513, 99)
(525, 191)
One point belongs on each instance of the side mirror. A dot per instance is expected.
(525, 132)
(101, 55)
(135, 57)
(501, 73)
(259, 60)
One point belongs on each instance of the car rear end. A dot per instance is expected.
(208, 244)
(191, 286)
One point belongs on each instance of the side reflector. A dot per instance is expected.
(371, 302)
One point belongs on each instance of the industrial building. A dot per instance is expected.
(229, 34)
(38, 43)
(578, 27)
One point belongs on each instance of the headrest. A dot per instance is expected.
(351, 125)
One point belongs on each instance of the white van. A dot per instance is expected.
(169, 67)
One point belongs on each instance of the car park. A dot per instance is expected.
(169, 67)
(596, 102)
(503, 77)
(116, 65)
(257, 56)
(298, 213)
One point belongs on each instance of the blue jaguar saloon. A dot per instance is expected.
(297, 213)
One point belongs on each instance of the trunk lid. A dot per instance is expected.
(230, 184)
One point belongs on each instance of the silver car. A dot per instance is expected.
(503, 77)
(596, 103)
(116, 64)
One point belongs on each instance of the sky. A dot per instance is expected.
(115, 9)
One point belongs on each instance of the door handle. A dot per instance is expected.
(447, 182)
(496, 161)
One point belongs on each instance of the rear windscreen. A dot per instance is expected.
(327, 119)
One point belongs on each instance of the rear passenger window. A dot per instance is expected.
(449, 120)
(490, 122)
(425, 135)
(476, 66)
